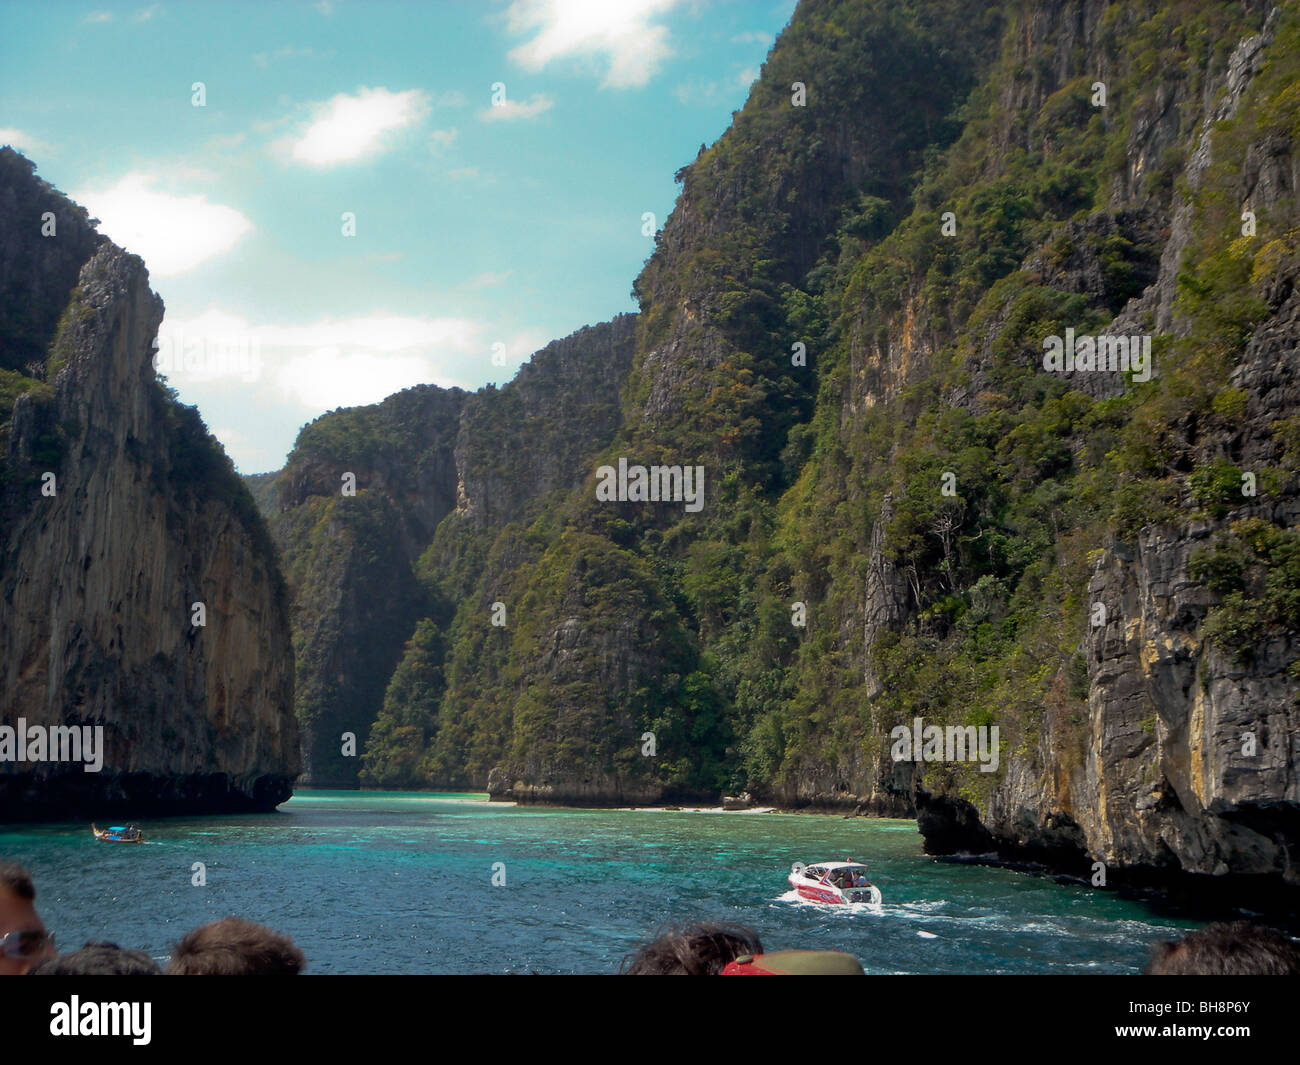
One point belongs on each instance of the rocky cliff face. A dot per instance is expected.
(438, 474)
(1182, 761)
(359, 498)
(714, 384)
(533, 437)
(119, 513)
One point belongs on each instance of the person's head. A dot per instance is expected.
(692, 950)
(1236, 949)
(98, 958)
(235, 947)
(23, 938)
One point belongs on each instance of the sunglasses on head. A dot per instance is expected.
(26, 944)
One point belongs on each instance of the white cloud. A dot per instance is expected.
(443, 138)
(332, 362)
(213, 346)
(144, 14)
(625, 34)
(747, 77)
(173, 234)
(259, 380)
(347, 128)
(24, 142)
(508, 110)
(752, 37)
(99, 16)
(378, 333)
(362, 360)
(463, 172)
(330, 377)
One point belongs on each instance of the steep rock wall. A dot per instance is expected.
(97, 581)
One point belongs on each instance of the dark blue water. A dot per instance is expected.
(403, 883)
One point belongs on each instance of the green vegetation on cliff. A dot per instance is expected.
(920, 492)
(384, 579)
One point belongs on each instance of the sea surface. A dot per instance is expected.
(381, 882)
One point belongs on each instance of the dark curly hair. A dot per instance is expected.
(98, 958)
(1236, 949)
(701, 949)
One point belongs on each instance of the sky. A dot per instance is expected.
(340, 199)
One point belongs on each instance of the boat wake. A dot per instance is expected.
(874, 907)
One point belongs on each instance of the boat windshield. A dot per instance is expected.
(851, 876)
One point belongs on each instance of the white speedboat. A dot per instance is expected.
(834, 883)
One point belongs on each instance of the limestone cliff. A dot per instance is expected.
(118, 513)
(358, 500)
(439, 473)
(1182, 762)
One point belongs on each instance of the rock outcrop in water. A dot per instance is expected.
(117, 513)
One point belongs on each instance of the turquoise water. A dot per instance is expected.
(402, 883)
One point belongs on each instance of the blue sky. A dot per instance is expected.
(496, 159)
